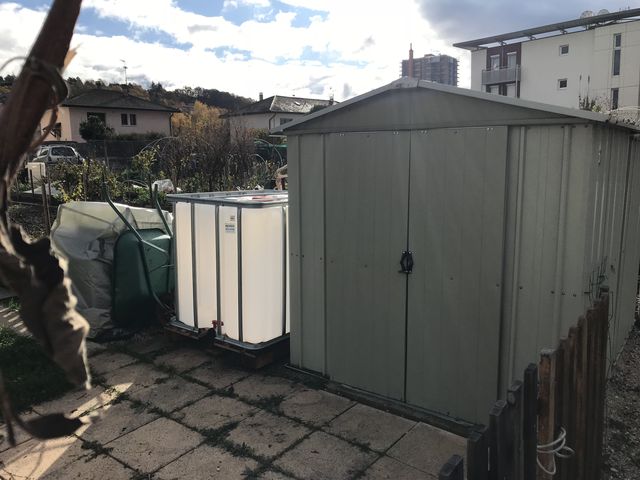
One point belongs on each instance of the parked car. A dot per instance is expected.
(57, 154)
(50, 155)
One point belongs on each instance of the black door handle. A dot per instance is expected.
(406, 262)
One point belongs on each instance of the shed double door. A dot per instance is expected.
(430, 338)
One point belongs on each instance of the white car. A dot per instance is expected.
(57, 154)
(50, 155)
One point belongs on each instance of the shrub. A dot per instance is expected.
(83, 181)
(95, 129)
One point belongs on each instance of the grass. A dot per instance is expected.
(13, 304)
(30, 376)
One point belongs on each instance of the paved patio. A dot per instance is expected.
(172, 411)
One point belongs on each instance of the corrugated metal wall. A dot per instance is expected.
(307, 252)
(456, 223)
(570, 191)
(571, 224)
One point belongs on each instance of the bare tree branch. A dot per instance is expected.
(30, 269)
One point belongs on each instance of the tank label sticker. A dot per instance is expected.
(230, 227)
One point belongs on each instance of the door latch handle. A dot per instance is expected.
(406, 262)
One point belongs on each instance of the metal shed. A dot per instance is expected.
(515, 213)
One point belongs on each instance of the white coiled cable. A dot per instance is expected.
(557, 448)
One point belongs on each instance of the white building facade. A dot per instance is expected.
(590, 62)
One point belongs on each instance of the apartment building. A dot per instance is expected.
(435, 68)
(594, 60)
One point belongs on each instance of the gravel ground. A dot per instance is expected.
(30, 217)
(622, 435)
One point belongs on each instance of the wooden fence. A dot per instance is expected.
(551, 423)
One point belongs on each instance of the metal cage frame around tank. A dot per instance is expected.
(222, 199)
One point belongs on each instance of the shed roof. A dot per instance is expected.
(103, 98)
(409, 103)
(281, 104)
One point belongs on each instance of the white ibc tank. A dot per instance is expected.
(231, 264)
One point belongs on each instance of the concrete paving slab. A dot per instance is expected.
(387, 468)
(94, 348)
(371, 427)
(77, 402)
(260, 387)
(109, 361)
(152, 345)
(134, 377)
(206, 462)
(93, 468)
(171, 394)
(213, 412)
(427, 448)
(314, 406)
(116, 420)
(218, 374)
(33, 459)
(154, 445)
(267, 434)
(271, 475)
(11, 319)
(20, 435)
(323, 456)
(183, 359)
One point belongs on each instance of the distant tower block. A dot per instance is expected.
(434, 68)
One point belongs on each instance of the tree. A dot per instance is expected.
(8, 80)
(205, 156)
(596, 104)
(201, 146)
(95, 129)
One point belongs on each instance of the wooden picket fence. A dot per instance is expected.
(562, 396)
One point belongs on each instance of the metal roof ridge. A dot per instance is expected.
(406, 82)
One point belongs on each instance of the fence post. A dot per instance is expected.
(546, 412)
(530, 422)
(453, 469)
(570, 465)
(497, 440)
(478, 455)
(564, 375)
(591, 393)
(514, 399)
(580, 396)
(601, 329)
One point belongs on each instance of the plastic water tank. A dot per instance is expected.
(231, 264)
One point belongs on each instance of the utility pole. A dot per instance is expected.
(125, 71)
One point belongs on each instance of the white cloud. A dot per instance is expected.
(18, 29)
(356, 46)
(252, 3)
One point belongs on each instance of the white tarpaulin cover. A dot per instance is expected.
(85, 234)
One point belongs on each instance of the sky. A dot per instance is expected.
(314, 48)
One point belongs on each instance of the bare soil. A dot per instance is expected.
(31, 218)
(622, 430)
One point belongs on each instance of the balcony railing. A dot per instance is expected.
(501, 75)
